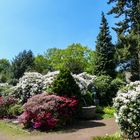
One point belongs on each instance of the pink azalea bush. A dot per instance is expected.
(48, 111)
(5, 104)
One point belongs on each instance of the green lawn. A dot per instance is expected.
(111, 137)
(12, 130)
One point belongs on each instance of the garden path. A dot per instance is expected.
(83, 131)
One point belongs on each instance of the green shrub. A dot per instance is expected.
(105, 112)
(15, 110)
(109, 110)
(116, 84)
(13, 82)
(88, 99)
(65, 85)
(99, 109)
(5, 90)
(103, 89)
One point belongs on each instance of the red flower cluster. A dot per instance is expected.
(48, 111)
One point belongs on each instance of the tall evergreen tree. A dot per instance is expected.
(128, 30)
(104, 64)
(22, 63)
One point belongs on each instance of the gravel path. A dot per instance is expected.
(83, 131)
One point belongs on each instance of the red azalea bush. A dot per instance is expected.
(48, 111)
(5, 104)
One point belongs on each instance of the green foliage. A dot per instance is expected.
(13, 131)
(5, 90)
(109, 110)
(103, 88)
(21, 63)
(13, 82)
(127, 54)
(88, 99)
(65, 85)
(15, 110)
(105, 112)
(5, 70)
(128, 30)
(41, 64)
(116, 136)
(117, 84)
(104, 57)
(129, 11)
(76, 58)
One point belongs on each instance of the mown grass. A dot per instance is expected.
(12, 129)
(111, 137)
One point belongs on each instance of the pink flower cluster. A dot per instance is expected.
(48, 111)
(5, 104)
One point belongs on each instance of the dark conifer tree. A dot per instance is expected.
(104, 64)
(128, 30)
(21, 63)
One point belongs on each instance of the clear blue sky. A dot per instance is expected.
(42, 24)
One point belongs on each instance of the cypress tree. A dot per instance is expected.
(104, 57)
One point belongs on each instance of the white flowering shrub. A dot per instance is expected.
(127, 104)
(84, 80)
(30, 84)
(33, 83)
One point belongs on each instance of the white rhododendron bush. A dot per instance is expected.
(33, 83)
(30, 84)
(127, 104)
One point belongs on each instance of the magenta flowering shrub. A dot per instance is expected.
(48, 111)
(5, 104)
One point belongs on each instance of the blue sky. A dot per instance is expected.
(42, 24)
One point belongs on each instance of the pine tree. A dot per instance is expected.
(104, 57)
(128, 29)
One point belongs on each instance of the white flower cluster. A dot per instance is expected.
(30, 84)
(127, 104)
(33, 83)
(84, 81)
(3, 84)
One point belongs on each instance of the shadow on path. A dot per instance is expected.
(84, 124)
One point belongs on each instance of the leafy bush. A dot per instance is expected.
(5, 89)
(5, 104)
(48, 111)
(117, 84)
(13, 82)
(109, 110)
(105, 112)
(88, 99)
(15, 110)
(65, 85)
(127, 105)
(103, 88)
